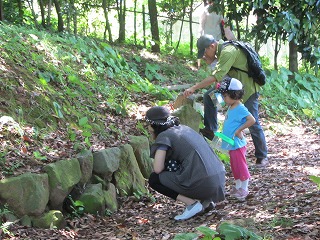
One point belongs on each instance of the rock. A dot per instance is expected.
(27, 194)
(93, 199)
(141, 149)
(128, 178)
(51, 219)
(63, 176)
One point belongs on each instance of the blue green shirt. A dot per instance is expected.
(235, 118)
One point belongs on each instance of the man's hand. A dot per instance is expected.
(188, 92)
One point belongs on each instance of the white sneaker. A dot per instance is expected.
(190, 211)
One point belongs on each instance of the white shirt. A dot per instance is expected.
(210, 23)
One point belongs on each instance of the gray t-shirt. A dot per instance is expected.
(201, 175)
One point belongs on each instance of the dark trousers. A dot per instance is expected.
(154, 183)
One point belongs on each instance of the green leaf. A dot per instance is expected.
(308, 112)
(57, 110)
(185, 236)
(232, 232)
(38, 156)
(83, 121)
(207, 231)
(316, 180)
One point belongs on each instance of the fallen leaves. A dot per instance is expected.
(283, 202)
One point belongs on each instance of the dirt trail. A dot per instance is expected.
(283, 203)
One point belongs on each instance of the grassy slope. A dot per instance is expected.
(78, 90)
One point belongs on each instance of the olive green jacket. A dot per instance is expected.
(230, 56)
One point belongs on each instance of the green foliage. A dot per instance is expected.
(316, 180)
(282, 222)
(206, 233)
(39, 156)
(298, 23)
(234, 232)
(57, 110)
(186, 236)
(141, 127)
(10, 168)
(223, 156)
(76, 206)
(288, 96)
(227, 231)
(3, 157)
(66, 78)
(152, 72)
(86, 129)
(5, 225)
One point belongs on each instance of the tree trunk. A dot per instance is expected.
(184, 13)
(20, 7)
(42, 12)
(135, 23)
(74, 15)
(122, 21)
(293, 57)
(107, 26)
(30, 3)
(49, 14)
(59, 14)
(190, 28)
(276, 52)
(144, 26)
(1, 11)
(153, 13)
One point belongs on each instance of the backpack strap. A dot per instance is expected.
(234, 43)
(238, 69)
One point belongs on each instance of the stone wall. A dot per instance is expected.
(95, 180)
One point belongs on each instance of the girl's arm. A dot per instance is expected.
(250, 121)
(159, 159)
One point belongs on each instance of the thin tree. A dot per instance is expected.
(1, 11)
(30, 4)
(153, 14)
(121, 7)
(42, 12)
(59, 14)
(107, 25)
(49, 14)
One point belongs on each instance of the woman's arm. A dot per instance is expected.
(159, 159)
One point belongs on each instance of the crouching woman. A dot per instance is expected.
(185, 167)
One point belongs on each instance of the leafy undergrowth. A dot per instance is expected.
(283, 203)
(66, 93)
(36, 89)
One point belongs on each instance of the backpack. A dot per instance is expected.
(255, 70)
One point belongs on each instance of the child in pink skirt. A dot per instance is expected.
(237, 119)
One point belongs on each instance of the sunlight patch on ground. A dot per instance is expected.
(138, 111)
(149, 55)
(285, 128)
(312, 170)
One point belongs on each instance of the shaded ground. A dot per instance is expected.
(283, 203)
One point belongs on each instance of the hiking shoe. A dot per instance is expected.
(190, 211)
(241, 194)
(208, 205)
(207, 133)
(262, 162)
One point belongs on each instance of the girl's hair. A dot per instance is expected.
(159, 128)
(235, 94)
